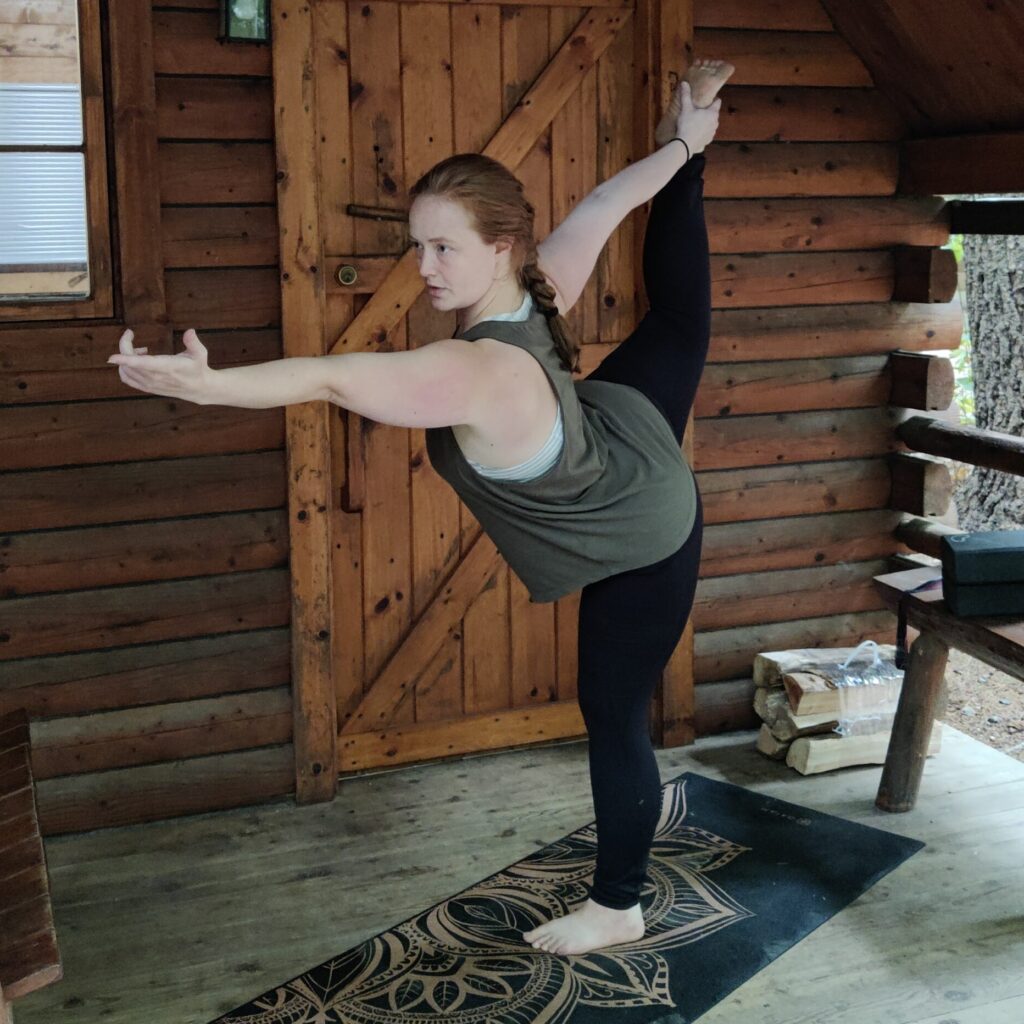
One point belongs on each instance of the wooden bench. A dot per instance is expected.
(29, 958)
(998, 642)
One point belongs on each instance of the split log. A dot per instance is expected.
(770, 746)
(812, 754)
(769, 666)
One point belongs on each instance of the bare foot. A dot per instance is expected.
(590, 927)
(706, 77)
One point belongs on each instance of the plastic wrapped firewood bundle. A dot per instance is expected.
(811, 698)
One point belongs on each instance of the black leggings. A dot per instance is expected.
(630, 623)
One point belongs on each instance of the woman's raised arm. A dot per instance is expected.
(568, 255)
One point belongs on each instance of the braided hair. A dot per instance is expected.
(498, 208)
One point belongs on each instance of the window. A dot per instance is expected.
(55, 261)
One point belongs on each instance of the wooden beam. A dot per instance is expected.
(673, 717)
(978, 447)
(509, 145)
(924, 535)
(396, 681)
(136, 163)
(306, 425)
(921, 381)
(986, 217)
(924, 274)
(920, 485)
(992, 162)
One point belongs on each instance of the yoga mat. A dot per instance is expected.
(734, 880)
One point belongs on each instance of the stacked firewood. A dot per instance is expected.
(814, 721)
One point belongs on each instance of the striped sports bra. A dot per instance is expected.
(548, 455)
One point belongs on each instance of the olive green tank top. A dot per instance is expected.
(620, 496)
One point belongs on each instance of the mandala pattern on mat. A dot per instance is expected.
(465, 961)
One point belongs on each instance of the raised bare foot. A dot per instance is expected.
(705, 78)
(590, 927)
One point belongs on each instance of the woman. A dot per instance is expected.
(580, 484)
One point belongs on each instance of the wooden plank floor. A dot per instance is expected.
(176, 922)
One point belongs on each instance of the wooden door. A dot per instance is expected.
(412, 638)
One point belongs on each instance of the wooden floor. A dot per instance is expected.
(176, 922)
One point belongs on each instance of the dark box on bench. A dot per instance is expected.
(983, 573)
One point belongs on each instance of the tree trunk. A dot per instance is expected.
(989, 499)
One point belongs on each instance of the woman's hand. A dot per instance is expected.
(184, 375)
(697, 125)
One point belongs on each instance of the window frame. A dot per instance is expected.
(120, 108)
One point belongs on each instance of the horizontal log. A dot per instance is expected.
(793, 542)
(921, 381)
(973, 445)
(177, 670)
(805, 278)
(924, 535)
(778, 15)
(161, 733)
(723, 706)
(827, 223)
(96, 378)
(987, 217)
(796, 114)
(223, 297)
(729, 653)
(920, 485)
(129, 491)
(736, 279)
(799, 489)
(734, 441)
(130, 796)
(217, 172)
(212, 236)
(489, 731)
(68, 348)
(988, 162)
(765, 169)
(924, 274)
(103, 556)
(757, 598)
(214, 108)
(186, 43)
(155, 427)
(88, 620)
(784, 58)
(843, 330)
(792, 385)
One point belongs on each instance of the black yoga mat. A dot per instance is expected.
(734, 880)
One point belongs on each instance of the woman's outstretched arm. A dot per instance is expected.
(445, 383)
(568, 255)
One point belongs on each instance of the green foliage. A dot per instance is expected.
(963, 391)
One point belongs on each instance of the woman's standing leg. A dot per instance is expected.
(630, 624)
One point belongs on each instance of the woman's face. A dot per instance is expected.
(455, 262)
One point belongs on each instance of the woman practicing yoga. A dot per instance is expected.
(581, 484)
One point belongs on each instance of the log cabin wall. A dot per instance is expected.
(146, 564)
(793, 429)
(145, 557)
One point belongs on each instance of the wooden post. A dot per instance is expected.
(671, 32)
(306, 425)
(922, 698)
